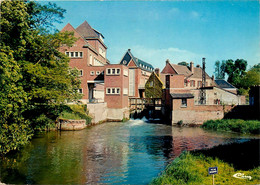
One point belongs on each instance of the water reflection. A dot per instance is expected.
(116, 153)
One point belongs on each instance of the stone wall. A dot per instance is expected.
(98, 112)
(197, 114)
(69, 124)
(117, 114)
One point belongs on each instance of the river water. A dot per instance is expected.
(133, 152)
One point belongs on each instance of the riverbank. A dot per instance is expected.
(192, 167)
(234, 125)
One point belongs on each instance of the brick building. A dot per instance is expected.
(139, 73)
(88, 55)
(182, 95)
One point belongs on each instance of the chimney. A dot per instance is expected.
(157, 71)
(129, 50)
(192, 67)
(167, 61)
(213, 78)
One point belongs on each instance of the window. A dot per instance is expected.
(90, 60)
(184, 102)
(113, 71)
(97, 72)
(81, 72)
(192, 83)
(74, 54)
(199, 83)
(80, 91)
(151, 84)
(114, 90)
(92, 73)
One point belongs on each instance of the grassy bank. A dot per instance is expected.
(190, 168)
(235, 125)
(76, 112)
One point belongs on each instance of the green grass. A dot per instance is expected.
(234, 125)
(76, 112)
(192, 169)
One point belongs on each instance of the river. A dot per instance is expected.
(133, 152)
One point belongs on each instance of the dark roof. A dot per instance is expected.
(181, 95)
(224, 84)
(139, 63)
(144, 65)
(86, 30)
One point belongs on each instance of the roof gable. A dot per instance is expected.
(69, 27)
(128, 57)
(86, 30)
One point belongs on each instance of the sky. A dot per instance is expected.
(176, 30)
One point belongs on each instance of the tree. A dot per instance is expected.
(236, 71)
(36, 80)
(252, 77)
(183, 63)
(220, 69)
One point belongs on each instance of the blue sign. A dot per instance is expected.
(213, 170)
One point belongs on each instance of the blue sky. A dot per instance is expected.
(175, 30)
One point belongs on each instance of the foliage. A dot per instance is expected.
(252, 77)
(220, 69)
(76, 112)
(234, 125)
(236, 71)
(14, 129)
(36, 80)
(191, 168)
(153, 87)
(183, 63)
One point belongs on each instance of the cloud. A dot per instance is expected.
(194, 15)
(157, 57)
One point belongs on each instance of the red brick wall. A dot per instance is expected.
(176, 81)
(168, 69)
(131, 64)
(121, 81)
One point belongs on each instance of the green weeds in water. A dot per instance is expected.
(191, 168)
(235, 125)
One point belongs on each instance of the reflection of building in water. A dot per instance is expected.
(104, 155)
(189, 139)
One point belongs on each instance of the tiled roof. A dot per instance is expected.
(181, 95)
(180, 69)
(86, 30)
(144, 65)
(139, 63)
(223, 84)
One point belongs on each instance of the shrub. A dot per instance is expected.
(235, 125)
(76, 112)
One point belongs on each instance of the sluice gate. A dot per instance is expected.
(149, 107)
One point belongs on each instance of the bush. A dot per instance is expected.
(234, 125)
(76, 112)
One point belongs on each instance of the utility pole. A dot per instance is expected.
(203, 85)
